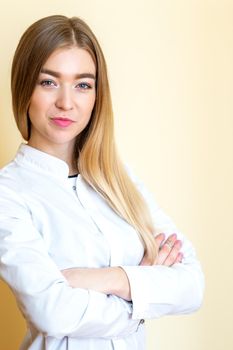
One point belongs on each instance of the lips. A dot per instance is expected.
(62, 122)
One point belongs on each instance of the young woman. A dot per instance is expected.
(83, 246)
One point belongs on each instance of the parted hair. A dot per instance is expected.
(95, 150)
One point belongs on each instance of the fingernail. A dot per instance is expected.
(178, 241)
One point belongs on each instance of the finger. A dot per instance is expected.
(173, 255)
(179, 258)
(159, 239)
(165, 249)
(170, 241)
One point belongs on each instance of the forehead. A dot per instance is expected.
(70, 60)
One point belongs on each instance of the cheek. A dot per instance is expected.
(88, 104)
(39, 103)
(92, 102)
(35, 105)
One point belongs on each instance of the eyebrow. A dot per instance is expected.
(58, 75)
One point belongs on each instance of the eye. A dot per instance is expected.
(84, 86)
(47, 82)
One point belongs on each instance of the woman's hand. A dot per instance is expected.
(113, 280)
(168, 253)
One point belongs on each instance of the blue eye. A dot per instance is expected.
(47, 82)
(84, 86)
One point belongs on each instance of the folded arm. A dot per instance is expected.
(43, 294)
(165, 290)
(174, 284)
(114, 280)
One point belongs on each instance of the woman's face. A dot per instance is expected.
(63, 99)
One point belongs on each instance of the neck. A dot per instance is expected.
(63, 152)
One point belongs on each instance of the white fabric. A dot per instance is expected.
(46, 226)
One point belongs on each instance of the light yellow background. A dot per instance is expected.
(171, 73)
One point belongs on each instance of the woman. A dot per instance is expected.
(84, 248)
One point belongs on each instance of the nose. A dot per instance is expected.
(64, 99)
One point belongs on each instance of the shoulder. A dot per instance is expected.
(10, 177)
(11, 186)
(12, 203)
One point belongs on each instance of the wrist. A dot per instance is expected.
(119, 283)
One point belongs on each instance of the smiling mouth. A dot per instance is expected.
(62, 122)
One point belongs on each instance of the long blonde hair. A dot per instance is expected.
(95, 149)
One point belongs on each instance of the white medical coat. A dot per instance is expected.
(46, 226)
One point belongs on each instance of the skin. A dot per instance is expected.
(66, 89)
(113, 280)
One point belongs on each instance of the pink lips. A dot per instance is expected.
(62, 122)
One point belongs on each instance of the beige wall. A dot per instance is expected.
(170, 64)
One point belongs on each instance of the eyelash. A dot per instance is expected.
(48, 83)
(87, 86)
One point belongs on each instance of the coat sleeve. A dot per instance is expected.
(43, 294)
(160, 290)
